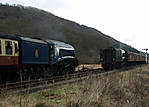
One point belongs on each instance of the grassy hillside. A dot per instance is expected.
(34, 22)
(121, 89)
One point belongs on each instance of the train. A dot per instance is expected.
(27, 57)
(34, 57)
(118, 57)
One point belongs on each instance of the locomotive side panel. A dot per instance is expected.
(34, 53)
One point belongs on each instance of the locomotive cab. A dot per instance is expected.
(62, 57)
(60, 51)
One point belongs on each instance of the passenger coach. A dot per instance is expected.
(9, 51)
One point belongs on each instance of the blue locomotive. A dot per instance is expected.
(34, 57)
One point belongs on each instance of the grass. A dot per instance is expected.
(122, 89)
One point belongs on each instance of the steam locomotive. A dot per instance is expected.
(34, 57)
(116, 57)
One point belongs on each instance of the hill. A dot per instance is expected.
(34, 22)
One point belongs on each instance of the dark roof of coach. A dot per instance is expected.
(8, 36)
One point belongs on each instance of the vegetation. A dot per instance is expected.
(121, 89)
(34, 22)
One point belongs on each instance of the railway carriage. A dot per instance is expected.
(9, 53)
(9, 56)
(135, 58)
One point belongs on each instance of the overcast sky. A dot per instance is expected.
(124, 20)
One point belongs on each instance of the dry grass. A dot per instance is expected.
(124, 89)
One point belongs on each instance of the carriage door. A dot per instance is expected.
(0, 48)
(15, 52)
(16, 49)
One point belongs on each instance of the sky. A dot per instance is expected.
(124, 20)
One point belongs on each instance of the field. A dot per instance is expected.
(121, 89)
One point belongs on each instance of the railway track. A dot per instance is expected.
(43, 83)
(30, 86)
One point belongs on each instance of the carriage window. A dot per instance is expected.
(16, 48)
(8, 46)
(0, 48)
